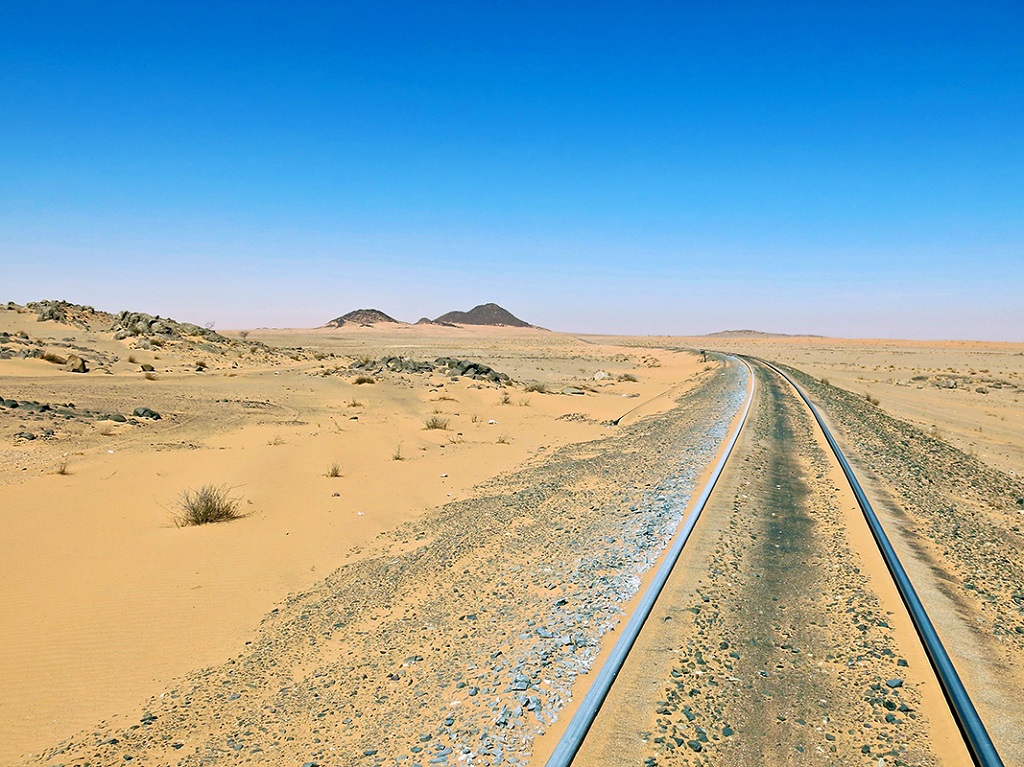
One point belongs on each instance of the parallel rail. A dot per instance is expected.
(976, 737)
(572, 739)
(979, 744)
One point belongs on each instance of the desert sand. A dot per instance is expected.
(108, 600)
(322, 436)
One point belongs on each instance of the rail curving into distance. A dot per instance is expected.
(570, 742)
(978, 742)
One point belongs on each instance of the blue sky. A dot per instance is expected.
(853, 169)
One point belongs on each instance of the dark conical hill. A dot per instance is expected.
(484, 314)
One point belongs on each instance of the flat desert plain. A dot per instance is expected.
(365, 462)
(108, 601)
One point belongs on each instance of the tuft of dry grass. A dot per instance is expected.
(354, 403)
(397, 455)
(132, 359)
(627, 378)
(365, 380)
(208, 504)
(436, 422)
(334, 470)
(873, 400)
(56, 359)
(506, 398)
(535, 386)
(62, 468)
(503, 439)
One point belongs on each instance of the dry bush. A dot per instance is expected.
(62, 468)
(535, 386)
(445, 398)
(132, 359)
(397, 455)
(56, 359)
(365, 380)
(504, 439)
(334, 470)
(872, 400)
(354, 403)
(435, 422)
(627, 377)
(208, 504)
(506, 398)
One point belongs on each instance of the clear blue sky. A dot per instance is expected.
(853, 169)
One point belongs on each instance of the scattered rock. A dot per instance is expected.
(76, 364)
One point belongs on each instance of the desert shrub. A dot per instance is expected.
(436, 422)
(397, 455)
(872, 400)
(354, 403)
(506, 398)
(627, 377)
(208, 504)
(56, 359)
(132, 359)
(535, 386)
(504, 439)
(334, 470)
(243, 334)
(365, 380)
(62, 468)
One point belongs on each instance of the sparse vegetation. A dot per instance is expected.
(365, 380)
(535, 386)
(871, 399)
(436, 422)
(62, 468)
(474, 418)
(825, 381)
(132, 359)
(397, 455)
(627, 377)
(56, 359)
(503, 439)
(506, 398)
(243, 334)
(445, 398)
(275, 441)
(354, 403)
(208, 504)
(334, 470)
(524, 402)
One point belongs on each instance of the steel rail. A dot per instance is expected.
(571, 740)
(979, 744)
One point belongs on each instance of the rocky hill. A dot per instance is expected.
(362, 317)
(484, 314)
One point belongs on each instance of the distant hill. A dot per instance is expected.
(485, 314)
(757, 334)
(361, 317)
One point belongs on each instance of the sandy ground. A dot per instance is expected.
(110, 604)
(107, 600)
(970, 393)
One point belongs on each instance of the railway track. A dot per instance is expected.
(783, 583)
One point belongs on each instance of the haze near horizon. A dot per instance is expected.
(851, 169)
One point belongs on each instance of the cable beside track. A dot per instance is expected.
(979, 743)
(572, 739)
